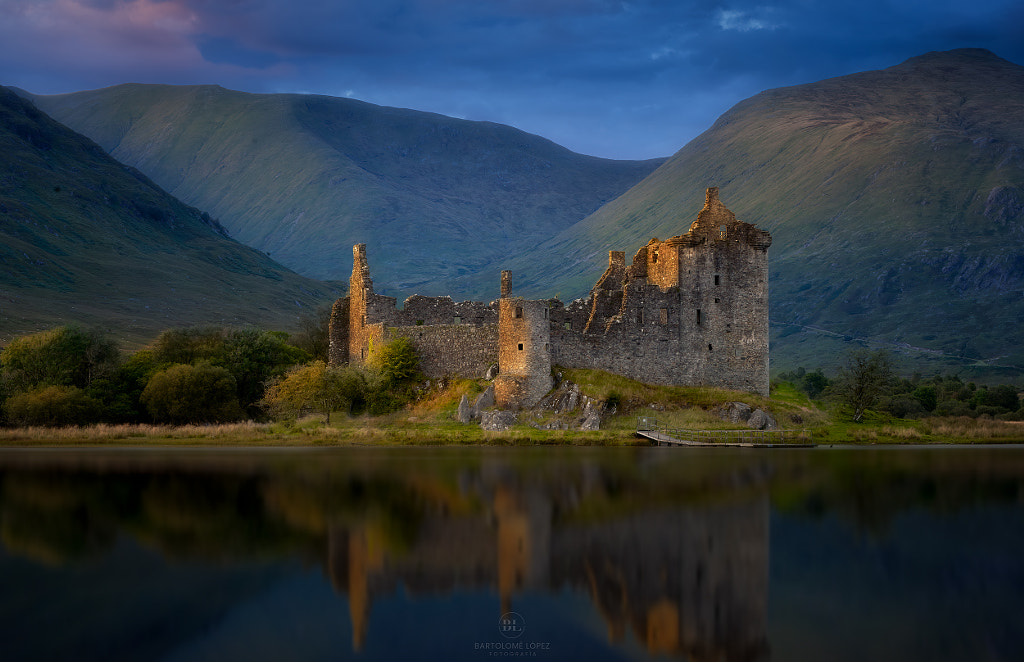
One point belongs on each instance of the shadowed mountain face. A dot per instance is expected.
(88, 240)
(306, 177)
(895, 199)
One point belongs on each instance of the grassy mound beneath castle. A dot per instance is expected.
(432, 420)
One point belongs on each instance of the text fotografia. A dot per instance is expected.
(511, 648)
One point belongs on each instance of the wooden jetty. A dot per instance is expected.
(649, 428)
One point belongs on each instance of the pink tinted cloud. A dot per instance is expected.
(79, 36)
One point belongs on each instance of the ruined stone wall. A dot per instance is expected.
(368, 312)
(692, 309)
(419, 310)
(689, 310)
(662, 263)
(452, 338)
(467, 350)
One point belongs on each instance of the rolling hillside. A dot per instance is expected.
(85, 239)
(896, 203)
(306, 177)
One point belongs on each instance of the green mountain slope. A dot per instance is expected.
(306, 177)
(88, 240)
(896, 202)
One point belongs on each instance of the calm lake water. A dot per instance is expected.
(483, 553)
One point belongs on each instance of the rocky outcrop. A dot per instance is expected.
(468, 413)
(741, 412)
(760, 420)
(496, 420)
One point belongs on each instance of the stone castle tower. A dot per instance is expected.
(524, 352)
(689, 310)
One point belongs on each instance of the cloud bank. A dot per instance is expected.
(615, 78)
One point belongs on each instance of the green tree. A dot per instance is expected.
(864, 378)
(254, 357)
(202, 393)
(120, 391)
(814, 383)
(66, 355)
(314, 387)
(52, 406)
(189, 345)
(928, 396)
(396, 361)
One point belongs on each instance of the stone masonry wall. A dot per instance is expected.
(452, 349)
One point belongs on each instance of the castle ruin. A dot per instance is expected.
(690, 310)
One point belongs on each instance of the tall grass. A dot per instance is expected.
(964, 427)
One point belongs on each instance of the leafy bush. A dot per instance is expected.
(813, 384)
(202, 393)
(927, 396)
(315, 387)
(121, 390)
(254, 357)
(396, 361)
(903, 406)
(251, 355)
(189, 345)
(66, 356)
(52, 406)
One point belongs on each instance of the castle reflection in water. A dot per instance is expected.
(675, 559)
(687, 580)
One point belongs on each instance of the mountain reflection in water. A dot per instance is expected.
(671, 549)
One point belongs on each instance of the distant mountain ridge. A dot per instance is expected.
(305, 177)
(87, 240)
(895, 198)
(896, 203)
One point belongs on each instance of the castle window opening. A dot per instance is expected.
(640, 316)
(419, 322)
(718, 280)
(664, 316)
(545, 313)
(364, 320)
(709, 348)
(698, 317)
(654, 257)
(717, 300)
(520, 347)
(458, 320)
(519, 312)
(721, 232)
(568, 325)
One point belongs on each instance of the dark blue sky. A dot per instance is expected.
(622, 79)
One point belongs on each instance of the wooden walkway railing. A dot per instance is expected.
(650, 428)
